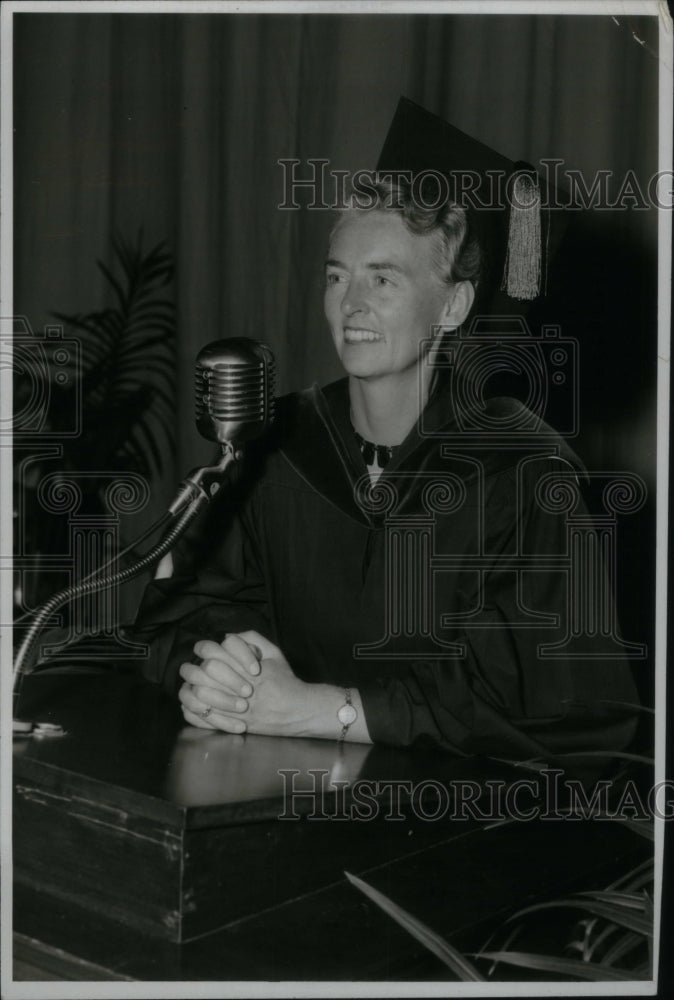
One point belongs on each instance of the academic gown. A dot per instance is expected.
(436, 593)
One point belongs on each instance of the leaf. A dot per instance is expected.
(506, 944)
(533, 764)
(637, 758)
(644, 879)
(159, 270)
(633, 878)
(498, 822)
(617, 914)
(128, 362)
(115, 284)
(584, 946)
(601, 938)
(559, 966)
(459, 965)
(643, 827)
(648, 902)
(625, 944)
(631, 900)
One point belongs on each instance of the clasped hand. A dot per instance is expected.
(244, 684)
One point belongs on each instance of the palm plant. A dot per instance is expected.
(608, 937)
(612, 940)
(124, 381)
(127, 365)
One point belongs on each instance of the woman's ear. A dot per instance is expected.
(458, 304)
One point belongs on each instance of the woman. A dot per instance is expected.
(347, 600)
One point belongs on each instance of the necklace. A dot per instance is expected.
(383, 452)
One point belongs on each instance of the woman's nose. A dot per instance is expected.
(355, 299)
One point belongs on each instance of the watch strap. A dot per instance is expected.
(347, 715)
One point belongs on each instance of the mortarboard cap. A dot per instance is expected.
(506, 201)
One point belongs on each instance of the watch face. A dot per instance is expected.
(347, 714)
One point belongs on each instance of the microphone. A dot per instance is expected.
(234, 383)
(234, 404)
(234, 386)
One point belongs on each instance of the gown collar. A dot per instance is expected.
(317, 439)
(323, 429)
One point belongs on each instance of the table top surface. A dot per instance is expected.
(129, 736)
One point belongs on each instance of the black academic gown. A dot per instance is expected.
(417, 593)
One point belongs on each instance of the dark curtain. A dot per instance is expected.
(176, 123)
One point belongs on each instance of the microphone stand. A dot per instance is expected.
(194, 491)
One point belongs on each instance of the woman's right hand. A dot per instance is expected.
(221, 685)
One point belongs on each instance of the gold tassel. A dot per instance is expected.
(522, 274)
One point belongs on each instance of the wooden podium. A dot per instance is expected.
(146, 849)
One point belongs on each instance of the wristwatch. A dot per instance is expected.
(347, 714)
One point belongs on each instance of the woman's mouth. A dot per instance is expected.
(357, 336)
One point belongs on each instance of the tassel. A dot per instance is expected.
(522, 273)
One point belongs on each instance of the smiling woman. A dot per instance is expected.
(390, 290)
(428, 601)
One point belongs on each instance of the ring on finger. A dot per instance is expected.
(206, 712)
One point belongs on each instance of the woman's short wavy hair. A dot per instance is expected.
(456, 254)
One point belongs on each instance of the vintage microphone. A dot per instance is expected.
(234, 396)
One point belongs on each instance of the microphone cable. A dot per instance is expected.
(93, 585)
(154, 527)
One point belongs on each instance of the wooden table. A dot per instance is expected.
(144, 849)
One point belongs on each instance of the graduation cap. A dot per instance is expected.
(507, 203)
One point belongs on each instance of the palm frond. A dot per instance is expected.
(636, 758)
(560, 966)
(600, 939)
(644, 827)
(121, 294)
(506, 945)
(630, 900)
(616, 913)
(452, 958)
(626, 943)
(584, 946)
(128, 359)
(639, 877)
